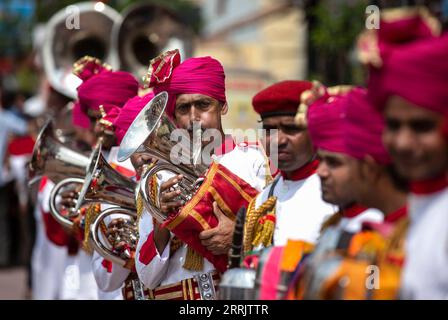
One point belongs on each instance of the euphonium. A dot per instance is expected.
(154, 133)
(52, 158)
(105, 184)
(66, 218)
(101, 184)
(127, 232)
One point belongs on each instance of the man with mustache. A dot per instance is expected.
(410, 88)
(291, 206)
(164, 263)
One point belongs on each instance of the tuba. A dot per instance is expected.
(52, 158)
(72, 33)
(145, 31)
(152, 132)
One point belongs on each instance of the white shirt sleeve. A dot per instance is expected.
(151, 265)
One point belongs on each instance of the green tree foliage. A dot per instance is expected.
(336, 27)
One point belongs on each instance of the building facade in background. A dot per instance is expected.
(258, 42)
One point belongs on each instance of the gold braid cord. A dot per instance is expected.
(193, 260)
(395, 244)
(331, 221)
(92, 211)
(257, 229)
(139, 207)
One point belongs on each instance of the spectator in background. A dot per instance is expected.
(10, 123)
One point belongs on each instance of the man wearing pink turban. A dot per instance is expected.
(110, 276)
(410, 89)
(196, 89)
(100, 87)
(347, 131)
(326, 126)
(374, 183)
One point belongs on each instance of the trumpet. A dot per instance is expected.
(151, 132)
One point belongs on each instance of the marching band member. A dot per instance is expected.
(374, 185)
(291, 206)
(164, 263)
(410, 89)
(325, 122)
(108, 275)
(100, 86)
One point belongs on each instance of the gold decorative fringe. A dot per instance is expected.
(265, 230)
(91, 212)
(81, 63)
(193, 260)
(306, 99)
(175, 244)
(395, 243)
(251, 228)
(139, 207)
(332, 220)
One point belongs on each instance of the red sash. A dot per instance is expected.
(229, 191)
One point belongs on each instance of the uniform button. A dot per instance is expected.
(203, 277)
(205, 286)
(208, 295)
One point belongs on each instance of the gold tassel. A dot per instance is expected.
(91, 212)
(175, 244)
(139, 207)
(265, 230)
(253, 217)
(332, 220)
(193, 260)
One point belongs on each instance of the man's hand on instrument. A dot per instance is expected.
(219, 239)
(69, 197)
(169, 195)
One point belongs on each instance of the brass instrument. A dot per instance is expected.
(76, 31)
(105, 184)
(66, 218)
(152, 132)
(127, 232)
(52, 158)
(145, 31)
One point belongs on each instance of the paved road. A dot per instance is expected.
(12, 283)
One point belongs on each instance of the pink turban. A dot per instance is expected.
(203, 75)
(411, 61)
(122, 118)
(128, 113)
(364, 128)
(325, 119)
(101, 86)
